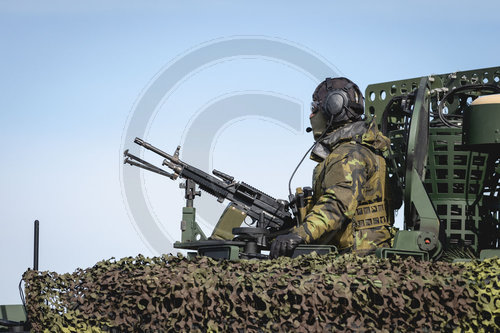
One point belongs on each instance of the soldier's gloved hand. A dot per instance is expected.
(284, 245)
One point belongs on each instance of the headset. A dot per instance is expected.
(338, 107)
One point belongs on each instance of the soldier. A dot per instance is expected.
(351, 206)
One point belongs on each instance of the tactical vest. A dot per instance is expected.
(368, 227)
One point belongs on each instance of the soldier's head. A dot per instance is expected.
(336, 101)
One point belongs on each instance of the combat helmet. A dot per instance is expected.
(335, 101)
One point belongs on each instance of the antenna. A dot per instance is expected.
(36, 245)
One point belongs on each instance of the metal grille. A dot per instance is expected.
(454, 179)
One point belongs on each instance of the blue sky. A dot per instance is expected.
(72, 74)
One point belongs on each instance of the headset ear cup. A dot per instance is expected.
(335, 103)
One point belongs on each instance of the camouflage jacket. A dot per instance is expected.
(349, 181)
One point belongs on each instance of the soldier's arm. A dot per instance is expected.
(345, 176)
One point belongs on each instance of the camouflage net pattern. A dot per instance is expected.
(306, 294)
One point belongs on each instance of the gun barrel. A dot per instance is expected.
(139, 141)
(152, 148)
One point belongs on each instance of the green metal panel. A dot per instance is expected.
(229, 252)
(391, 253)
(12, 313)
(482, 126)
(304, 249)
(490, 253)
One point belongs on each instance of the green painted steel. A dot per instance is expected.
(482, 126)
(191, 231)
(307, 249)
(458, 179)
(490, 253)
(454, 178)
(416, 159)
(380, 94)
(14, 312)
(229, 252)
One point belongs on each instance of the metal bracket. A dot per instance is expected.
(190, 230)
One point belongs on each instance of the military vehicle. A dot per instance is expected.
(445, 140)
(13, 317)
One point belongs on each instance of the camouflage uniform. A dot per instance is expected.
(350, 191)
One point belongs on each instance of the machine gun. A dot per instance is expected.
(270, 216)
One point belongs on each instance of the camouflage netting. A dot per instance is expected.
(309, 293)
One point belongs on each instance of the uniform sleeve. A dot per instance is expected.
(345, 176)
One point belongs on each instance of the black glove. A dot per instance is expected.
(284, 245)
